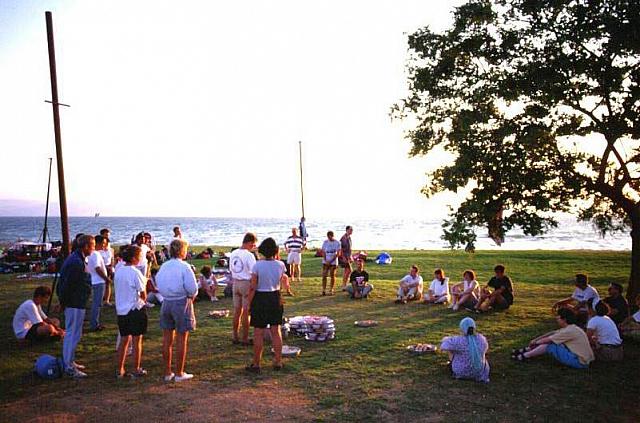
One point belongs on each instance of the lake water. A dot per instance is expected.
(373, 234)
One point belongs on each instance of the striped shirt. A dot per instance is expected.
(294, 244)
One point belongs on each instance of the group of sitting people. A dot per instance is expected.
(468, 294)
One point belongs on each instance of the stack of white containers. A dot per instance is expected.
(313, 328)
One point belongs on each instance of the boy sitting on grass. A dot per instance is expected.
(359, 278)
(31, 324)
(578, 301)
(501, 298)
(411, 286)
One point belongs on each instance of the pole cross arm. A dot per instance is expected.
(58, 104)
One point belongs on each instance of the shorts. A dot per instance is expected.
(178, 315)
(344, 263)
(294, 257)
(241, 293)
(133, 323)
(33, 335)
(564, 356)
(266, 309)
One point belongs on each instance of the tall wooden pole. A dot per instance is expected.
(64, 221)
(301, 188)
(45, 230)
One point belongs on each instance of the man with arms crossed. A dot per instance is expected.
(241, 262)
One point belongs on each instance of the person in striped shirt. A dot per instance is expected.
(294, 245)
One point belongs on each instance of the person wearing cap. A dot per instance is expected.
(569, 345)
(467, 353)
(294, 245)
(603, 333)
(618, 306)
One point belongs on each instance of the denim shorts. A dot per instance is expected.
(178, 315)
(564, 356)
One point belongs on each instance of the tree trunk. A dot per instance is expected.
(634, 279)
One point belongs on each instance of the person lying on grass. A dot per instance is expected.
(411, 286)
(466, 293)
(631, 325)
(31, 324)
(265, 303)
(207, 284)
(130, 295)
(438, 292)
(569, 344)
(467, 353)
(577, 302)
(501, 298)
(359, 286)
(603, 333)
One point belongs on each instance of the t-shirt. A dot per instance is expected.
(605, 330)
(619, 304)
(576, 341)
(27, 315)
(128, 283)
(330, 249)
(636, 316)
(206, 282)
(294, 244)
(268, 273)
(412, 282)
(439, 288)
(584, 295)
(471, 284)
(107, 255)
(96, 260)
(241, 262)
(359, 278)
(345, 246)
(503, 282)
(142, 265)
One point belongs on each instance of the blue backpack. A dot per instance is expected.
(48, 367)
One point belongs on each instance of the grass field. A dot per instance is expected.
(363, 375)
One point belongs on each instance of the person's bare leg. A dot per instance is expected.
(107, 293)
(539, 350)
(332, 274)
(137, 352)
(346, 274)
(237, 314)
(122, 353)
(276, 340)
(167, 350)
(245, 324)
(182, 339)
(258, 336)
(325, 272)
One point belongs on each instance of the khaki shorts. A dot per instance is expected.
(241, 293)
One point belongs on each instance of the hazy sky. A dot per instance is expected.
(196, 108)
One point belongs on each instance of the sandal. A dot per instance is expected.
(139, 373)
(519, 357)
(252, 369)
(519, 351)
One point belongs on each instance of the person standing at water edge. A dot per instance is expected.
(345, 256)
(294, 245)
(177, 284)
(330, 251)
(303, 230)
(74, 289)
(108, 257)
(99, 280)
(177, 232)
(241, 261)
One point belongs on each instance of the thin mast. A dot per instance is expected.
(301, 188)
(64, 221)
(45, 231)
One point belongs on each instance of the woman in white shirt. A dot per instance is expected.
(465, 294)
(438, 292)
(603, 333)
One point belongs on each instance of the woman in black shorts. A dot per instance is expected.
(265, 302)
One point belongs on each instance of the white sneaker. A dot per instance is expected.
(170, 377)
(451, 305)
(149, 305)
(75, 373)
(455, 307)
(214, 299)
(185, 376)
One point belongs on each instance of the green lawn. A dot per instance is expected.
(366, 374)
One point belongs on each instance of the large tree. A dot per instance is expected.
(538, 103)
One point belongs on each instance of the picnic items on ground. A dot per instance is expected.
(219, 314)
(289, 351)
(420, 349)
(313, 328)
(366, 323)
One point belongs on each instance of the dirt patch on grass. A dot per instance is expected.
(193, 402)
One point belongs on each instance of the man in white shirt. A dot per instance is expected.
(294, 245)
(578, 301)
(99, 279)
(411, 286)
(177, 232)
(31, 324)
(330, 251)
(241, 262)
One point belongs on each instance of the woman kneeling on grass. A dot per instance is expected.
(467, 353)
(569, 344)
(130, 295)
(265, 303)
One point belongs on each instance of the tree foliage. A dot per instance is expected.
(539, 104)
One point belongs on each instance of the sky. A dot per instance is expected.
(196, 108)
